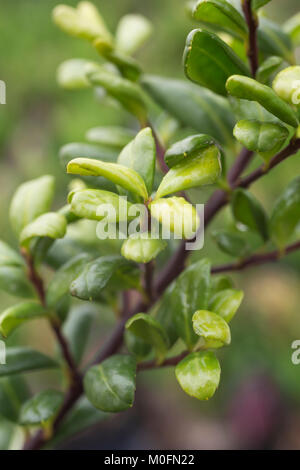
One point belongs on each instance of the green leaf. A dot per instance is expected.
(13, 281)
(112, 136)
(268, 67)
(72, 74)
(292, 28)
(132, 32)
(140, 155)
(31, 199)
(265, 138)
(15, 316)
(199, 375)
(285, 215)
(248, 211)
(127, 66)
(97, 275)
(196, 171)
(76, 150)
(136, 346)
(193, 106)
(128, 94)
(221, 14)
(209, 61)
(77, 329)
(219, 283)
(190, 292)
(9, 257)
(13, 392)
(62, 279)
(189, 147)
(51, 224)
(83, 22)
(110, 386)
(118, 174)
(226, 303)
(141, 248)
(176, 215)
(249, 89)
(23, 359)
(151, 332)
(231, 243)
(87, 204)
(272, 40)
(42, 408)
(213, 330)
(256, 4)
(164, 314)
(287, 85)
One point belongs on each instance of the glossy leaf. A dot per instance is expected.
(83, 22)
(163, 313)
(190, 293)
(221, 14)
(189, 147)
(292, 28)
(219, 283)
(142, 248)
(23, 359)
(31, 199)
(226, 303)
(9, 257)
(285, 215)
(199, 375)
(51, 224)
(87, 204)
(118, 174)
(248, 211)
(140, 155)
(231, 243)
(72, 74)
(151, 332)
(287, 85)
(265, 138)
(193, 106)
(212, 329)
(110, 386)
(77, 329)
(249, 89)
(97, 274)
(176, 215)
(62, 279)
(132, 32)
(209, 61)
(267, 68)
(42, 408)
(112, 136)
(13, 392)
(128, 94)
(13, 281)
(136, 346)
(21, 313)
(196, 171)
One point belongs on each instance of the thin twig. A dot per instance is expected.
(160, 151)
(252, 22)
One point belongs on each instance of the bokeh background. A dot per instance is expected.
(258, 403)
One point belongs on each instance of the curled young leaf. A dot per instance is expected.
(118, 174)
(226, 303)
(51, 224)
(132, 32)
(249, 212)
(287, 85)
(21, 313)
(209, 61)
(211, 328)
(136, 346)
(196, 171)
(176, 215)
(110, 386)
(285, 215)
(42, 408)
(199, 375)
(249, 89)
(191, 146)
(38, 194)
(151, 332)
(142, 248)
(72, 74)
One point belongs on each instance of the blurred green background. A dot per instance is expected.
(258, 404)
